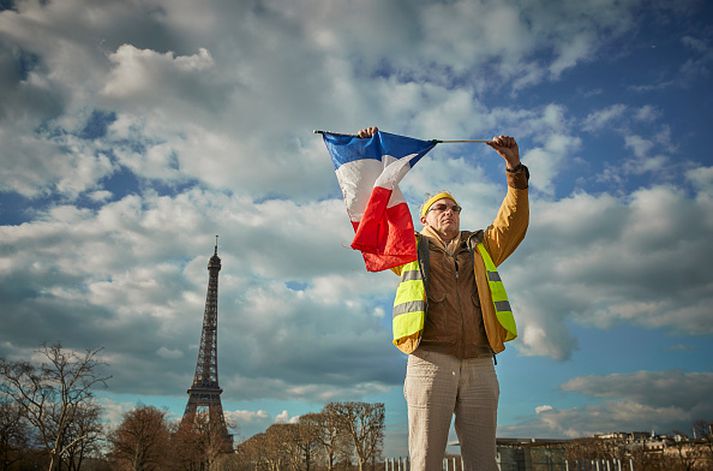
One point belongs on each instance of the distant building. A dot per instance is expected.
(605, 451)
(530, 454)
(629, 437)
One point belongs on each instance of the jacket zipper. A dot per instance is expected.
(460, 303)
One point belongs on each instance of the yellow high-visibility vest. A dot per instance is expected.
(411, 301)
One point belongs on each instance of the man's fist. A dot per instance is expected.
(367, 132)
(507, 148)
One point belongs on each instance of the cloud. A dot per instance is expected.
(548, 160)
(133, 132)
(569, 53)
(603, 118)
(164, 352)
(651, 149)
(246, 423)
(696, 44)
(100, 195)
(680, 348)
(549, 129)
(44, 164)
(664, 401)
(140, 291)
(647, 113)
(191, 104)
(647, 156)
(284, 418)
(247, 416)
(113, 412)
(640, 147)
(573, 243)
(683, 390)
(136, 71)
(702, 179)
(140, 273)
(699, 67)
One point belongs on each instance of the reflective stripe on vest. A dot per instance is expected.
(503, 311)
(410, 302)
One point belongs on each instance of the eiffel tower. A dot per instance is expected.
(204, 393)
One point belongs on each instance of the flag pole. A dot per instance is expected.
(320, 131)
(458, 141)
(437, 141)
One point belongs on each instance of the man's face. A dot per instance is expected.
(443, 216)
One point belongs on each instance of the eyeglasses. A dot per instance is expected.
(440, 208)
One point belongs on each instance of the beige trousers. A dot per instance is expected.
(436, 387)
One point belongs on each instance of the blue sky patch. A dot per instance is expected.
(97, 124)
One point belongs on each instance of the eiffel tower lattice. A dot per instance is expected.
(204, 393)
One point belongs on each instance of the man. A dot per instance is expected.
(451, 315)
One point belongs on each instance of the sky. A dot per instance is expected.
(132, 132)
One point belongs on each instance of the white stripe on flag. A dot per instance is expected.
(357, 179)
(394, 171)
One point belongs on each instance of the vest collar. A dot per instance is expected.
(450, 248)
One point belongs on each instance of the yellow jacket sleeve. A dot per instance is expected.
(508, 229)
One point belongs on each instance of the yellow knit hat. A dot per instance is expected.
(429, 202)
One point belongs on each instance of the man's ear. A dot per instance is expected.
(423, 220)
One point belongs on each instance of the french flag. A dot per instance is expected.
(369, 171)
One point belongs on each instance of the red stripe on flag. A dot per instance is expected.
(385, 236)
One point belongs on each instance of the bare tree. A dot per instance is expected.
(686, 453)
(87, 423)
(14, 434)
(364, 422)
(581, 449)
(141, 441)
(281, 449)
(703, 432)
(251, 452)
(307, 439)
(333, 439)
(51, 394)
(186, 452)
(199, 442)
(587, 449)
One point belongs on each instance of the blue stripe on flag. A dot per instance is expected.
(345, 149)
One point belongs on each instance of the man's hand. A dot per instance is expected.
(507, 148)
(367, 132)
